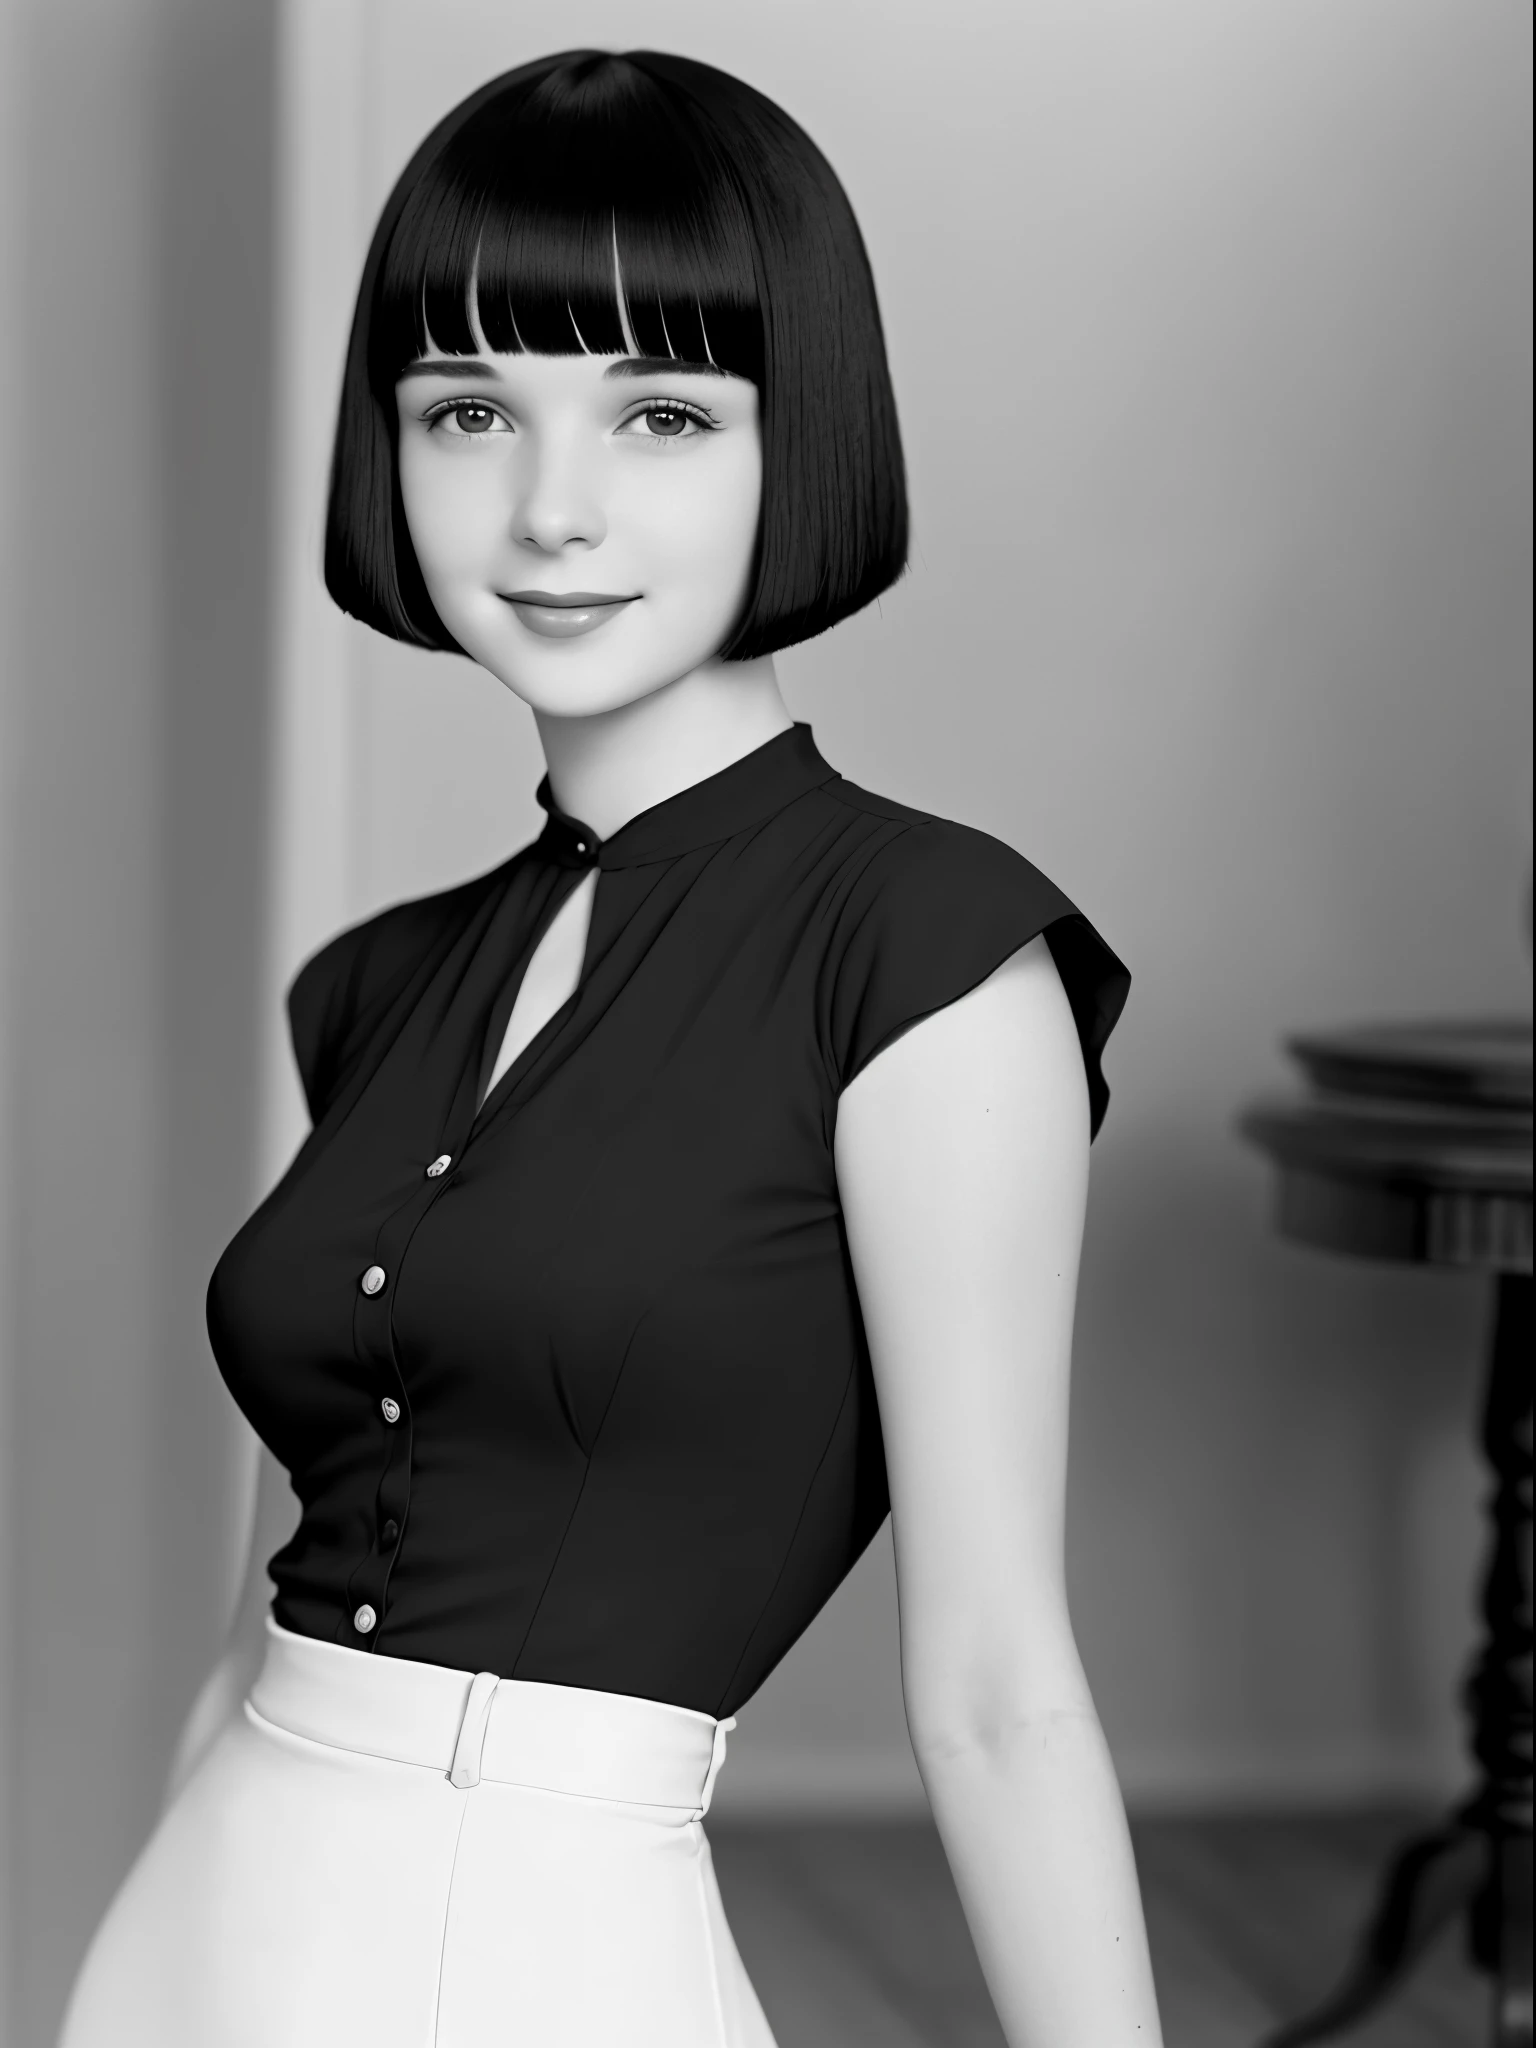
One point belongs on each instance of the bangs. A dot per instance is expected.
(586, 214)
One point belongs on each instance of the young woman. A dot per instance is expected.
(681, 1195)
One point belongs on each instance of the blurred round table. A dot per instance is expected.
(1413, 1143)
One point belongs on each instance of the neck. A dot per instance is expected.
(608, 767)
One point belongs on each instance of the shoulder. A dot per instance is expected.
(343, 988)
(929, 909)
(895, 847)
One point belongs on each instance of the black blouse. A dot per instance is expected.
(576, 1388)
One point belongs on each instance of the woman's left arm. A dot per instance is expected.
(962, 1163)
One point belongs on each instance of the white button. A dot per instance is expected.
(373, 1279)
(439, 1165)
(391, 1409)
(364, 1619)
(581, 846)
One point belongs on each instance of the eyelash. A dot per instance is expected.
(696, 415)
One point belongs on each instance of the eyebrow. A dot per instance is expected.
(447, 366)
(626, 366)
(661, 366)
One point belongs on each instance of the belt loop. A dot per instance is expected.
(465, 1770)
(716, 1759)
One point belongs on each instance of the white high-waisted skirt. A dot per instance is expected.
(389, 1853)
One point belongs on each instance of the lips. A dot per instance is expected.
(564, 614)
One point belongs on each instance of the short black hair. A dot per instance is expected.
(736, 245)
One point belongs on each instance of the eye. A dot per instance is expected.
(470, 421)
(667, 419)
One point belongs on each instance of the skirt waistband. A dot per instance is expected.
(474, 1725)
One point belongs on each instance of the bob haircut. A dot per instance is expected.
(547, 192)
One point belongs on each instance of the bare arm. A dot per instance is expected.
(274, 1518)
(962, 1162)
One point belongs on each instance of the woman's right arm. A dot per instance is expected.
(273, 1522)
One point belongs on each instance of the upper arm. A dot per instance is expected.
(962, 1165)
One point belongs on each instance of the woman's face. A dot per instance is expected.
(585, 524)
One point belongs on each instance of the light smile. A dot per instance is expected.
(565, 614)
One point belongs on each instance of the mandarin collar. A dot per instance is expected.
(733, 800)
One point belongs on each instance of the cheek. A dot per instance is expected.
(696, 523)
(454, 511)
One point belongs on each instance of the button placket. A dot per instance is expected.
(374, 1347)
(391, 1501)
(368, 1585)
(384, 1382)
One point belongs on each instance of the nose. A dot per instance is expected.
(557, 503)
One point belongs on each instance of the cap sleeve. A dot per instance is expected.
(937, 909)
(341, 995)
(322, 1005)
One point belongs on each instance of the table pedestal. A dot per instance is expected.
(1478, 1865)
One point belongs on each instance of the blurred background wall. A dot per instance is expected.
(1210, 329)
(135, 375)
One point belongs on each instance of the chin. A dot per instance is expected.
(571, 690)
(573, 680)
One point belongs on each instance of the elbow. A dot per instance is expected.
(995, 1738)
(991, 1708)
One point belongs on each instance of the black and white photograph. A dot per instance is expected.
(765, 1024)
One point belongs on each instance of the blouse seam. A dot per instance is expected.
(875, 808)
(581, 1491)
(794, 1535)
